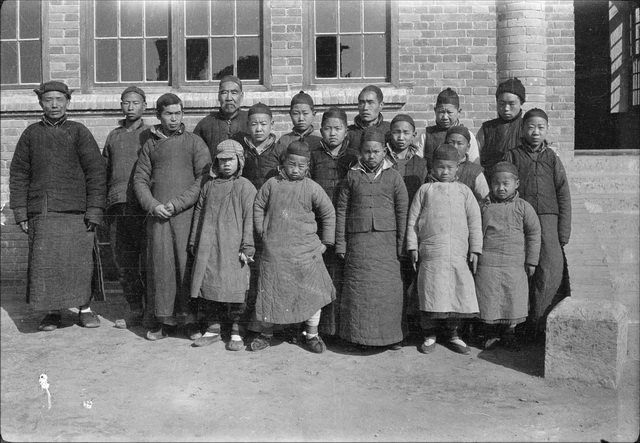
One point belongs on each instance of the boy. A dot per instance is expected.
(293, 283)
(302, 113)
(370, 103)
(222, 242)
(125, 216)
(469, 173)
(543, 183)
(447, 111)
(167, 183)
(510, 252)
(261, 150)
(501, 134)
(444, 240)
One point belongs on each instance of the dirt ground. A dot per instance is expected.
(171, 391)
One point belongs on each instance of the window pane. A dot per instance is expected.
(350, 55)
(131, 65)
(196, 17)
(9, 71)
(326, 16)
(106, 18)
(156, 18)
(8, 20)
(249, 58)
(30, 22)
(157, 60)
(221, 57)
(222, 18)
(30, 62)
(350, 12)
(326, 62)
(197, 59)
(106, 60)
(375, 16)
(375, 56)
(248, 17)
(131, 18)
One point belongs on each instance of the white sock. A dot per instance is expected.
(310, 336)
(86, 309)
(429, 341)
(458, 342)
(210, 334)
(235, 337)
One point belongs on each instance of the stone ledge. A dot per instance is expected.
(587, 340)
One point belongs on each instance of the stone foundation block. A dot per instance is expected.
(586, 340)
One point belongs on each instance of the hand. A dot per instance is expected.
(170, 209)
(341, 255)
(91, 226)
(563, 244)
(530, 270)
(160, 211)
(24, 226)
(246, 259)
(414, 258)
(473, 262)
(323, 248)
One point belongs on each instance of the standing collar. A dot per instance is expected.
(54, 123)
(157, 130)
(360, 124)
(136, 125)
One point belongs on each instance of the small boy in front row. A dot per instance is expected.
(469, 173)
(293, 282)
(543, 183)
(222, 242)
(444, 239)
(510, 252)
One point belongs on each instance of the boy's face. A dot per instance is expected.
(230, 97)
(368, 106)
(259, 127)
(504, 185)
(402, 134)
(301, 116)
(445, 170)
(509, 105)
(171, 117)
(295, 166)
(54, 104)
(460, 142)
(446, 115)
(227, 166)
(333, 132)
(372, 153)
(133, 106)
(535, 130)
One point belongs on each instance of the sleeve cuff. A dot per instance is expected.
(20, 215)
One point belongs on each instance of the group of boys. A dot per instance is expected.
(153, 175)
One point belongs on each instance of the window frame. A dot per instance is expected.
(44, 51)
(309, 67)
(177, 40)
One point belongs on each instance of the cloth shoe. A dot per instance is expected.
(235, 345)
(395, 346)
(50, 322)
(261, 342)
(206, 340)
(88, 319)
(490, 341)
(316, 345)
(192, 331)
(510, 343)
(455, 347)
(427, 349)
(161, 332)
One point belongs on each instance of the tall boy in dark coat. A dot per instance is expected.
(302, 112)
(370, 105)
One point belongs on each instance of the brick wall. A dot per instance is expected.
(469, 46)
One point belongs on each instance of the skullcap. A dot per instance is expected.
(445, 152)
(230, 78)
(373, 135)
(260, 108)
(133, 89)
(448, 97)
(302, 98)
(403, 118)
(460, 130)
(505, 167)
(535, 112)
(334, 112)
(298, 147)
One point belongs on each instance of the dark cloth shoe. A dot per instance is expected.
(88, 319)
(206, 340)
(235, 345)
(261, 342)
(510, 343)
(192, 331)
(490, 342)
(50, 322)
(464, 350)
(316, 345)
(395, 346)
(161, 332)
(427, 349)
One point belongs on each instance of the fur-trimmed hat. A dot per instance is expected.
(53, 86)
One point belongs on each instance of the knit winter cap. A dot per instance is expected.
(445, 152)
(53, 86)
(403, 118)
(229, 148)
(512, 86)
(448, 97)
(300, 148)
(302, 98)
(535, 112)
(231, 78)
(334, 112)
(133, 89)
(505, 167)
(374, 89)
(374, 135)
(259, 108)
(460, 130)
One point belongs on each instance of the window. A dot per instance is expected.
(635, 51)
(351, 40)
(177, 43)
(21, 43)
